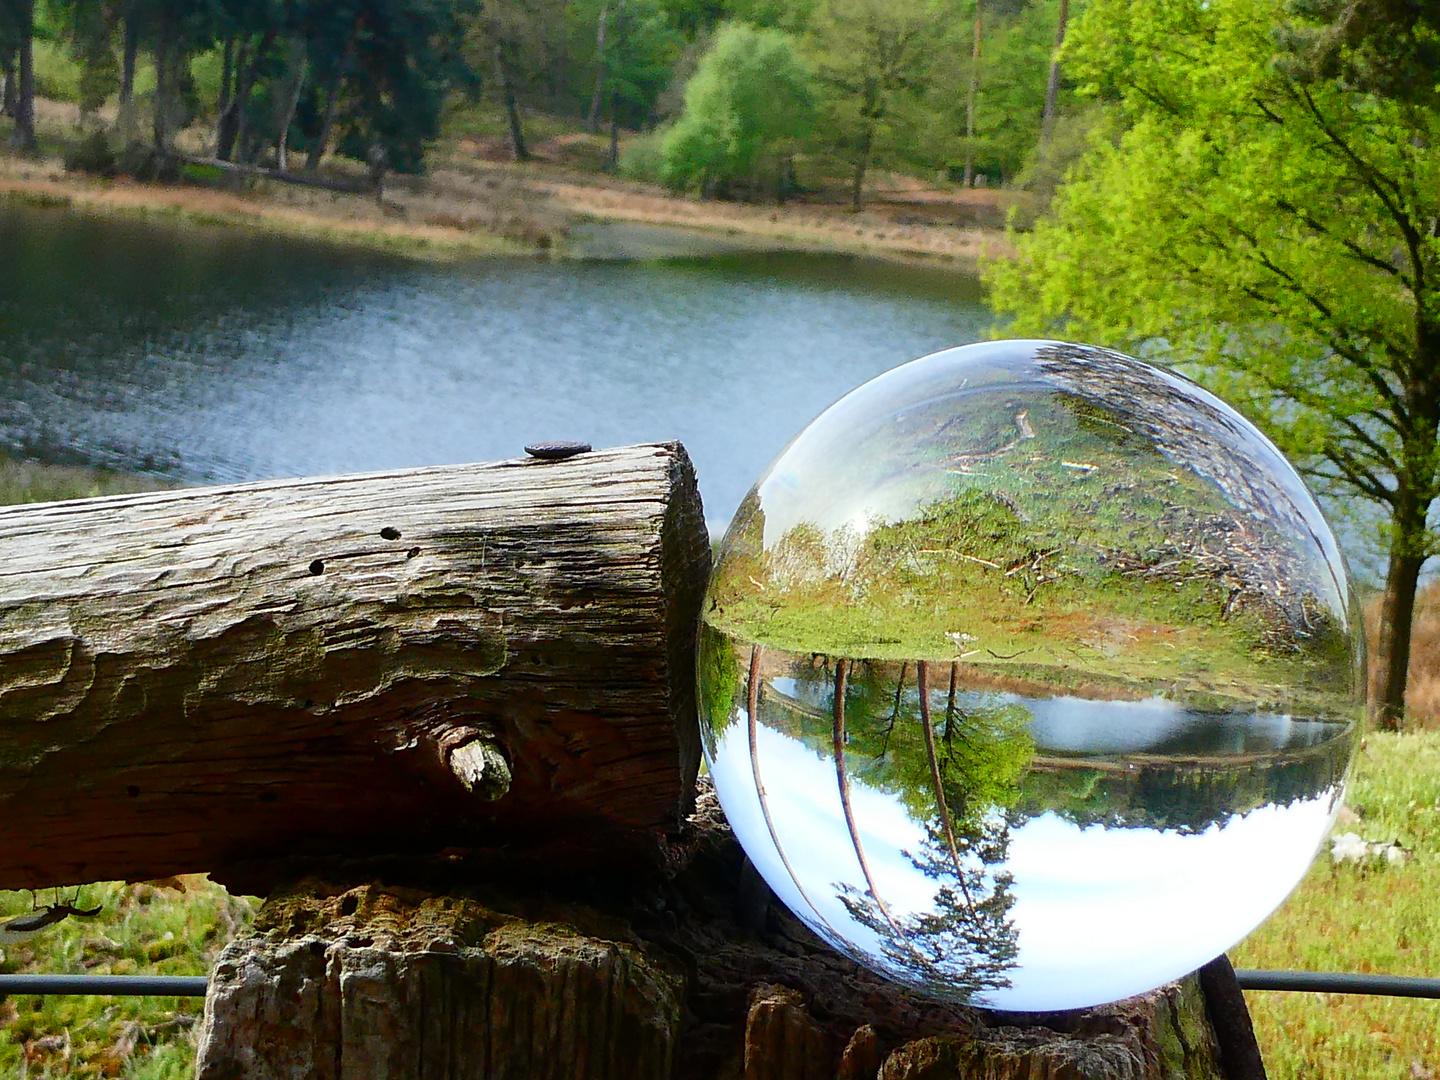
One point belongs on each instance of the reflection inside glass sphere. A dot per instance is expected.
(1028, 676)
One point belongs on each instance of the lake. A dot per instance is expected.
(207, 354)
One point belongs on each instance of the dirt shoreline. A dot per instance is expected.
(467, 207)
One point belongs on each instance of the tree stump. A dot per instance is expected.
(678, 973)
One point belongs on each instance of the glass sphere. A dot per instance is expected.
(1029, 675)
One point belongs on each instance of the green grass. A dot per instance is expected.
(57, 75)
(1372, 918)
(30, 482)
(486, 119)
(143, 928)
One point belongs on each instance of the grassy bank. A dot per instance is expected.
(1373, 916)
(428, 228)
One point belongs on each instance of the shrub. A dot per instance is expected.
(748, 101)
(91, 154)
(644, 158)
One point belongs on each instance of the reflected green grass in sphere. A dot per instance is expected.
(1029, 675)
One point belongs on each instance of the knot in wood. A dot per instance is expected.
(481, 767)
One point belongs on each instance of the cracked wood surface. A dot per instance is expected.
(492, 655)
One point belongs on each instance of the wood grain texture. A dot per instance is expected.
(492, 655)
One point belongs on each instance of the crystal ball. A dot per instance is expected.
(1029, 676)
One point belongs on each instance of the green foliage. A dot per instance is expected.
(639, 58)
(748, 102)
(57, 75)
(1272, 236)
(644, 158)
(90, 30)
(1224, 229)
(1380, 46)
(92, 154)
(1015, 62)
(873, 59)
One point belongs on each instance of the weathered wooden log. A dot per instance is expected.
(645, 978)
(489, 656)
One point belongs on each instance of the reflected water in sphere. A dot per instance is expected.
(1029, 675)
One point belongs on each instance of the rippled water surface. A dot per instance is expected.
(211, 354)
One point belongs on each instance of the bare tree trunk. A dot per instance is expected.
(612, 160)
(1397, 610)
(295, 76)
(1052, 83)
(862, 163)
(512, 107)
(227, 87)
(592, 120)
(922, 674)
(7, 71)
(332, 103)
(327, 122)
(970, 101)
(23, 138)
(167, 55)
(247, 70)
(130, 54)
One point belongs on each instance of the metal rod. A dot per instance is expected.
(1334, 982)
(1325, 982)
(139, 985)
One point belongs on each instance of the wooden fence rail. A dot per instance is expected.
(397, 662)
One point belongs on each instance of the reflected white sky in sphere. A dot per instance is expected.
(1102, 913)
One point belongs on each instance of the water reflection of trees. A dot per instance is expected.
(965, 767)
(955, 777)
(1186, 795)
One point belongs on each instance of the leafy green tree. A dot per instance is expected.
(1390, 47)
(91, 31)
(872, 59)
(748, 101)
(1003, 128)
(1272, 234)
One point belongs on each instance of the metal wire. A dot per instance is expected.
(1327, 982)
(1333, 982)
(139, 985)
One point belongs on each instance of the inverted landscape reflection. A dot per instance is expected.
(1074, 876)
(1029, 676)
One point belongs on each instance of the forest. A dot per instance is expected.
(740, 98)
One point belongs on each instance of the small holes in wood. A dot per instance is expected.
(412, 553)
(318, 566)
(390, 533)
